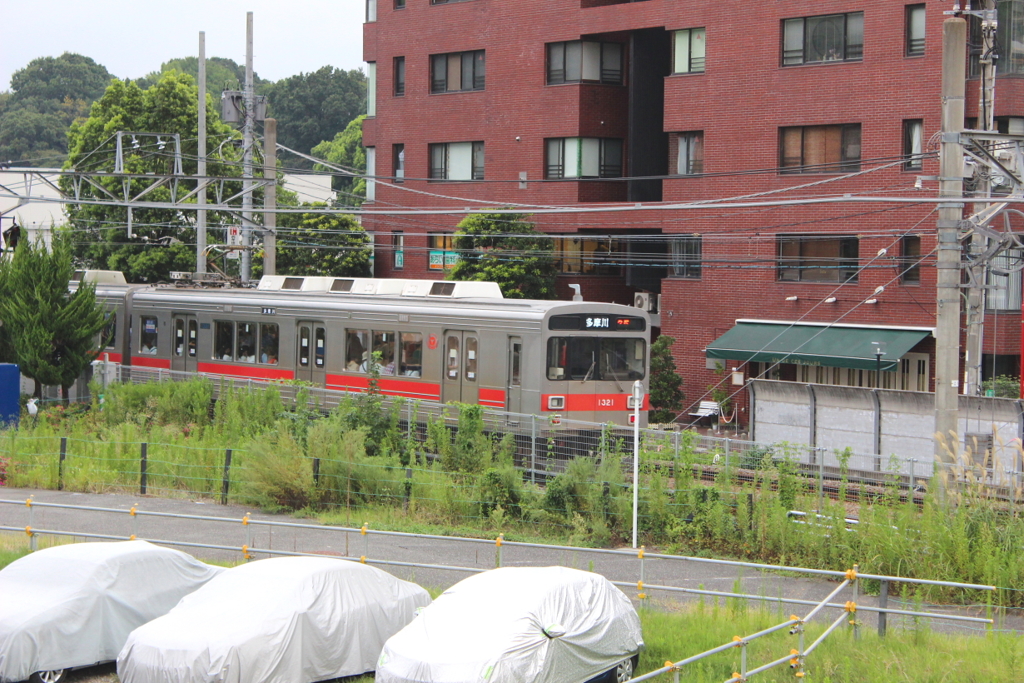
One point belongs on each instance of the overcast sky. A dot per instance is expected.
(134, 37)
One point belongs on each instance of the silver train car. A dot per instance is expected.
(432, 340)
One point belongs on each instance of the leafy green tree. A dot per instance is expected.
(221, 74)
(323, 244)
(47, 96)
(160, 240)
(346, 150)
(507, 249)
(666, 384)
(314, 107)
(54, 333)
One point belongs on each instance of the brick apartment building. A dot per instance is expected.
(642, 105)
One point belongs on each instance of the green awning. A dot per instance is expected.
(841, 347)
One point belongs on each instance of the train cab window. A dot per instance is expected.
(224, 340)
(471, 358)
(179, 337)
(319, 347)
(246, 343)
(572, 358)
(193, 338)
(148, 338)
(357, 347)
(452, 363)
(622, 359)
(269, 343)
(384, 344)
(411, 364)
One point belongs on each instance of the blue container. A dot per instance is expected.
(10, 392)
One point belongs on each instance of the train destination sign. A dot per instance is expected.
(583, 321)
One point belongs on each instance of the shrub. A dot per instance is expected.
(278, 476)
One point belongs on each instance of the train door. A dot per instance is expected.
(461, 366)
(311, 351)
(185, 352)
(514, 388)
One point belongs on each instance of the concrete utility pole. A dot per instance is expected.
(201, 170)
(248, 124)
(270, 197)
(947, 291)
(987, 17)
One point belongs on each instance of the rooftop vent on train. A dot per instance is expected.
(105, 277)
(292, 283)
(442, 289)
(458, 289)
(342, 286)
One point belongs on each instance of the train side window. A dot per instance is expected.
(357, 350)
(247, 342)
(108, 337)
(452, 363)
(148, 338)
(224, 336)
(471, 358)
(304, 346)
(384, 344)
(622, 359)
(320, 350)
(517, 357)
(179, 337)
(411, 364)
(193, 338)
(269, 343)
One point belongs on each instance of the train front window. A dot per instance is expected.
(593, 358)
(148, 338)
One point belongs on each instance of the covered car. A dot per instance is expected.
(518, 625)
(74, 605)
(286, 620)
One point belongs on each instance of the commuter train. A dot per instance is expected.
(432, 340)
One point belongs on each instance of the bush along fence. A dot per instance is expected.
(389, 463)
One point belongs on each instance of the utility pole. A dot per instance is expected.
(270, 197)
(947, 291)
(986, 14)
(248, 124)
(201, 169)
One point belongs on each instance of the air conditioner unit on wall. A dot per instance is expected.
(645, 301)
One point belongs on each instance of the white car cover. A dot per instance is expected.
(516, 625)
(286, 620)
(74, 605)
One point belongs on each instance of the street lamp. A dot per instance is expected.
(879, 352)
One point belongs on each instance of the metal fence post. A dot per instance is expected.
(33, 544)
(856, 594)
(227, 480)
(316, 471)
(60, 463)
(821, 481)
(883, 602)
(727, 449)
(142, 469)
(533, 449)
(497, 550)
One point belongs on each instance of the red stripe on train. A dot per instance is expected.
(492, 397)
(109, 357)
(148, 362)
(247, 371)
(392, 387)
(575, 402)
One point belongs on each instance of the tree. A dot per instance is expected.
(323, 244)
(159, 240)
(505, 248)
(53, 332)
(346, 150)
(314, 107)
(666, 384)
(70, 76)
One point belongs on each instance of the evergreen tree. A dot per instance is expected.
(505, 248)
(53, 332)
(666, 384)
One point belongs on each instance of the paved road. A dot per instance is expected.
(408, 549)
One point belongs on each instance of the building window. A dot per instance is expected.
(457, 71)
(371, 10)
(588, 255)
(398, 248)
(829, 38)
(686, 256)
(371, 171)
(820, 149)
(399, 4)
(441, 252)
(444, 2)
(457, 161)
(1004, 284)
(910, 259)
(582, 60)
(688, 51)
(690, 158)
(915, 30)
(399, 76)
(913, 143)
(584, 158)
(398, 163)
(371, 88)
(817, 258)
